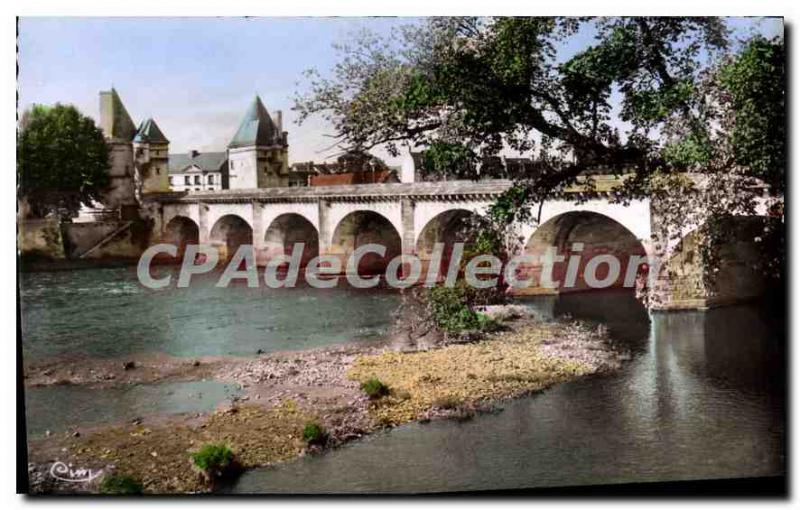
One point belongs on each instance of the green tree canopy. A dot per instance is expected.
(62, 160)
(652, 98)
(463, 89)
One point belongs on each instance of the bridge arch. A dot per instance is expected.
(599, 234)
(286, 230)
(181, 231)
(228, 233)
(363, 227)
(446, 227)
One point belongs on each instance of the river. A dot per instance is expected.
(107, 313)
(702, 397)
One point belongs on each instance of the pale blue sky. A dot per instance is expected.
(196, 76)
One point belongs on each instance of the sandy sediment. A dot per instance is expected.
(285, 391)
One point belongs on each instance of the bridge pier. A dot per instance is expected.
(259, 229)
(324, 226)
(204, 230)
(408, 235)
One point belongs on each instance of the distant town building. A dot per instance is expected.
(198, 171)
(349, 168)
(349, 178)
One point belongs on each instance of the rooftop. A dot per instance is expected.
(116, 121)
(205, 161)
(149, 132)
(256, 128)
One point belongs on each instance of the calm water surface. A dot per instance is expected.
(702, 398)
(59, 408)
(106, 312)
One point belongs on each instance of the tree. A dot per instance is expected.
(650, 98)
(734, 146)
(356, 160)
(63, 160)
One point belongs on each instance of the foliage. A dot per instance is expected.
(449, 159)
(120, 484)
(649, 97)
(374, 388)
(63, 160)
(734, 148)
(314, 433)
(452, 312)
(465, 87)
(755, 81)
(212, 458)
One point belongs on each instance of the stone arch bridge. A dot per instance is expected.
(407, 218)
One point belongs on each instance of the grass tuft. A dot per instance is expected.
(213, 458)
(314, 434)
(120, 485)
(374, 388)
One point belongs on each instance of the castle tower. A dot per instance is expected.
(119, 130)
(151, 158)
(258, 155)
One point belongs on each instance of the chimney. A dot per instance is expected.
(279, 120)
(193, 153)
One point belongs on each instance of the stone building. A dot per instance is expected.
(258, 154)
(256, 157)
(151, 158)
(119, 131)
(139, 156)
(198, 171)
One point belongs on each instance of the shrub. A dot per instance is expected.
(452, 312)
(120, 484)
(374, 388)
(213, 458)
(314, 433)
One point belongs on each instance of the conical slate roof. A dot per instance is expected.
(149, 132)
(117, 123)
(256, 128)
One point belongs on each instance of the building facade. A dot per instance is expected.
(258, 154)
(198, 171)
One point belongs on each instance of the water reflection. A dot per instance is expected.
(703, 398)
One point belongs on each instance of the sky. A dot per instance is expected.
(197, 76)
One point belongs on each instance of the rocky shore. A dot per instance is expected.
(282, 392)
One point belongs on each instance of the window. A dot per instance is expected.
(171, 182)
(211, 179)
(197, 179)
(187, 180)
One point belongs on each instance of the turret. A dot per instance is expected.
(151, 157)
(119, 130)
(258, 154)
